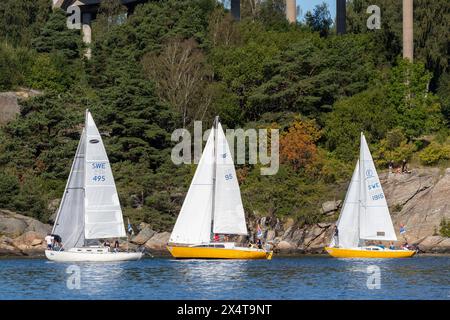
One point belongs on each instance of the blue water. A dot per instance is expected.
(321, 277)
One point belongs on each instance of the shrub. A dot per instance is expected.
(445, 228)
(434, 153)
(394, 147)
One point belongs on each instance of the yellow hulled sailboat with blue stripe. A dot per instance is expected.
(364, 216)
(213, 205)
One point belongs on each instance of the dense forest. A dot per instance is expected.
(176, 61)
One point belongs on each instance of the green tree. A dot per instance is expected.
(368, 112)
(419, 111)
(55, 36)
(431, 36)
(320, 19)
(21, 21)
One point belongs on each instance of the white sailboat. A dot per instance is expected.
(90, 208)
(213, 205)
(365, 215)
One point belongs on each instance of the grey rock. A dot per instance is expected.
(144, 235)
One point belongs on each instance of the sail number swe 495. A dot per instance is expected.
(98, 178)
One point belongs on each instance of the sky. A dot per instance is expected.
(308, 5)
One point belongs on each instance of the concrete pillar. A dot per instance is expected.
(86, 18)
(408, 31)
(291, 11)
(236, 9)
(341, 15)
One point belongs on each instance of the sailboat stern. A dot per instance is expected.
(369, 252)
(218, 252)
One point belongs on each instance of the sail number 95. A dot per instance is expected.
(228, 176)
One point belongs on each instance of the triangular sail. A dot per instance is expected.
(229, 216)
(348, 223)
(375, 220)
(69, 223)
(193, 225)
(103, 214)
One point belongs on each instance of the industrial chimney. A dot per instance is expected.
(408, 33)
(341, 14)
(291, 11)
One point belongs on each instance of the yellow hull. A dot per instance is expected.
(361, 253)
(217, 253)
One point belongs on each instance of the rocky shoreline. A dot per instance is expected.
(418, 200)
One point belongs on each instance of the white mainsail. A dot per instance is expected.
(193, 225)
(365, 214)
(348, 223)
(103, 214)
(69, 222)
(214, 188)
(229, 215)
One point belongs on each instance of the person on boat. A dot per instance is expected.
(116, 246)
(391, 246)
(57, 241)
(381, 245)
(49, 240)
(259, 243)
(336, 236)
(107, 244)
(405, 246)
(216, 237)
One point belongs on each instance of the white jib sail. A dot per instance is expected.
(348, 223)
(229, 216)
(69, 223)
(103, 214)
(193, 225)
(375, 220)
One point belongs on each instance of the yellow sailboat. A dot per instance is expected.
(365, 216)
(213, 205)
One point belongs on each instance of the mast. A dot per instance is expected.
(216, 123)
(360, 185)
(84, 177)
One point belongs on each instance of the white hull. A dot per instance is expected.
(84, 256)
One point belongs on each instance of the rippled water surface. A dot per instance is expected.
(321, 277)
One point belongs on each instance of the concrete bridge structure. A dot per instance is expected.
(89, 9)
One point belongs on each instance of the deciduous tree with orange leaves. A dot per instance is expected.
(298, 144)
